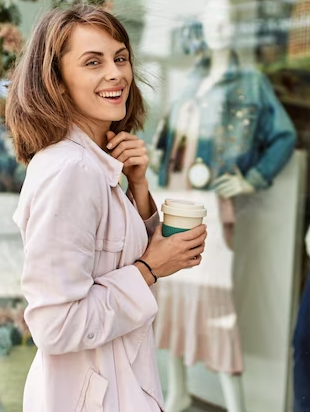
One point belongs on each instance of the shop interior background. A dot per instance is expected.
(267, 265)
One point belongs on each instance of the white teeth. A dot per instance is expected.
(111, 94)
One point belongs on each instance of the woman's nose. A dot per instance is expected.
(112, 72)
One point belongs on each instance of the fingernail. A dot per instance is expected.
(109, 146)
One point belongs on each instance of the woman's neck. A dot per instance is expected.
(97, 132)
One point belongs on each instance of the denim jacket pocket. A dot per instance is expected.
(93, 393)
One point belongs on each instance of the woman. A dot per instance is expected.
(72, 103)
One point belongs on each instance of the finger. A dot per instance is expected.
(136, 161)
(127, 149)
(191, 254)
(117, 139)
(110, 135)
(222, 179)
(225, 186)
(232, 185)
(192, 233)
(192, 244)
(194, 262)
(197, 250)
(229, 192)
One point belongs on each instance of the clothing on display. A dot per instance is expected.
(197, 318)
(239, 122)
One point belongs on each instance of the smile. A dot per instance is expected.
(110, 95)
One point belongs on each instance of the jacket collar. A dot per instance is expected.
(233, 69)
(113, 168)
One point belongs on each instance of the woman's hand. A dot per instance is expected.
(167, 255)
(131, 151)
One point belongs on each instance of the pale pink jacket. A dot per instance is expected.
(90, 312)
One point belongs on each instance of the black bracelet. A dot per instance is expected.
(149, 268)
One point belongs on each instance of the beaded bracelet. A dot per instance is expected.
(149, 268)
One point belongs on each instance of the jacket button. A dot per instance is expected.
(90, 336)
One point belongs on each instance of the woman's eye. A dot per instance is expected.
(92, 63)
(121, 59)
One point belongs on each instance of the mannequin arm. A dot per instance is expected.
(276, 138)
(229, 185)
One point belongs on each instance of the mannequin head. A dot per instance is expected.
(217, 23)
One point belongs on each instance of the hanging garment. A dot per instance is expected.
(196, 317)
(237, 122)
(241, 123)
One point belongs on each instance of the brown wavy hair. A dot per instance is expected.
(38, 114)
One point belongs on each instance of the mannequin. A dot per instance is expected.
(219, 120)
(256, 137)
(218, 34)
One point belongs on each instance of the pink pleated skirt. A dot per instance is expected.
(197, 318)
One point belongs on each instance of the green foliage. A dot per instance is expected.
(9, 13)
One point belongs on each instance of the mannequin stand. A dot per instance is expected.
(179, 399)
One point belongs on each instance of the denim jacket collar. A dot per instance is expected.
(113, 167)
(233, 69)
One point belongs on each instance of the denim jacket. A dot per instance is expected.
(242, 123)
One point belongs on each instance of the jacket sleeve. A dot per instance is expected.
(277, 138)
(66, 311)
(152, 222)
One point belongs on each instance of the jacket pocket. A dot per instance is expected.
(93, 393)
(107, 255)
(109, 245)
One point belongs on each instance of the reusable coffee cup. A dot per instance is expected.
(181, 215)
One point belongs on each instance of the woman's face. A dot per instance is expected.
(97, 74)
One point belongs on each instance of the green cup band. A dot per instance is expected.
(169, 230)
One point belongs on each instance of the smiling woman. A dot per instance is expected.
(89, 265)
(98, 80)
(76, 68)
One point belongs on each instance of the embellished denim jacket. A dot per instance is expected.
(242, 123)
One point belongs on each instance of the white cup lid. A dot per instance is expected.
(184, 204)
(184, 207)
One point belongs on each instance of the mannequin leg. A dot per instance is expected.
(178, 398)
(233, 392)
(228, 232)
